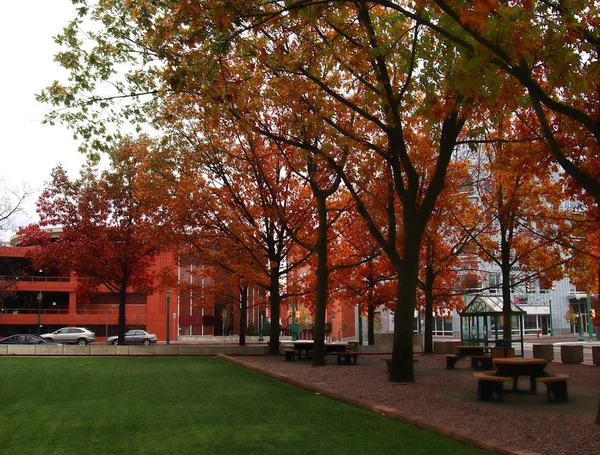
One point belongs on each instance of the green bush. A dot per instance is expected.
(266, 326)
(251, 330)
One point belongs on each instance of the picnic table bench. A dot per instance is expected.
(488, 384)
(556, 387)
(291, 354)
(346, 357)
(483, 361)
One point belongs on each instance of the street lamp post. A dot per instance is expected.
(590, 323)
(295, 324)
(39, 300)
(579, 324)
(360, 327)
(168, 314)
(550, 317)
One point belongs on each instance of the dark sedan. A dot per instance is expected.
(25, 339)
(134, 337)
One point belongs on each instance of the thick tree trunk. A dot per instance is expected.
(506, 303)
(274, 305)
(322, 284)
(402, 369)
(429, 280)
(370, 323)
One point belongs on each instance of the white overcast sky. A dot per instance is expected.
(30, 150)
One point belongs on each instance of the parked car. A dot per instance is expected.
(134, 337)
(75, 335)
(24, 338)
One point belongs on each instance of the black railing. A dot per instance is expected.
(57, 311)
(36, 279)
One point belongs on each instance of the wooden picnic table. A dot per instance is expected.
(521, 366)
(330, 346)
(478, 354)
(467, 351)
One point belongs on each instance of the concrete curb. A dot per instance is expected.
(446, 430)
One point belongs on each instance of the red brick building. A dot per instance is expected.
(30, 297)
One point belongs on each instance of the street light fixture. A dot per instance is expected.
(590, 323)
(260, 326)
(550, 317)
(168, 314)
(579, 324)
(39, 300)
(294, 323)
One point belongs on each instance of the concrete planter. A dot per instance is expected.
(596, 355)
(571, 353)
(439, 347)
(445, 347)
(543, 351)
(452, 346)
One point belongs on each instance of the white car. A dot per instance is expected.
(134, 337)
(74, 335)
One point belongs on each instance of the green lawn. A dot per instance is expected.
(184, 405)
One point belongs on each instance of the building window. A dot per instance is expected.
(495, 283)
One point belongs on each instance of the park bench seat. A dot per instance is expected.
(556, 387)
(291, 354)
(481, 362)
(489, 385)
(451, 360)
(347, 357)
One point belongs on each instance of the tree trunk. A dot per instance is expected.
(370, 323)
(506, 303)
(274, 305)
(322, 283)
(402, 369)
(122, 306)
(429, 280)
(243, 314)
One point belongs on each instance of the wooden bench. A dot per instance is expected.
(482, 362)
(346, 357)
(291, 354)
(488, 385)
(451, 360)
(556, 387)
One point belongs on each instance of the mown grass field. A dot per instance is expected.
(184, 405)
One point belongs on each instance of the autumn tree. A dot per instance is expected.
(111, 235)
(234, 202)
(367, 279)
(440, 280)
(367, 126)
(520, 217)
(368, 77)
(208, 281)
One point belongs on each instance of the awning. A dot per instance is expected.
(537, 309)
